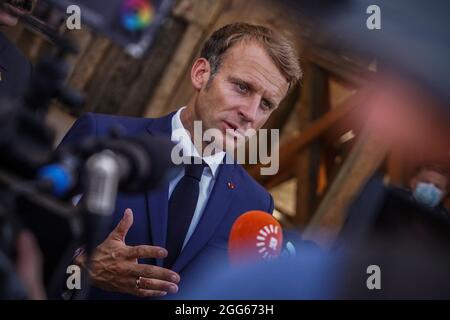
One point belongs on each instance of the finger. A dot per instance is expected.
(121, 230)
(158, 285)
(155, 272)
(143, 293)
(144, 251)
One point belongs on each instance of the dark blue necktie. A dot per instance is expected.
(182, 204)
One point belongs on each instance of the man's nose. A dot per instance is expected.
(248, 111)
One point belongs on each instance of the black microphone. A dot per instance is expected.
(100, 167)
(142, 163)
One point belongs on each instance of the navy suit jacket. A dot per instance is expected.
(208, 244)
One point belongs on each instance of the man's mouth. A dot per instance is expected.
(232, 129)
(230, 126)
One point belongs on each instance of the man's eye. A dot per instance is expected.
(266, 104)
(242, 87)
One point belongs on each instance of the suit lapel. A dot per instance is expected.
(215, 209)
(213, 214)
(157, 200)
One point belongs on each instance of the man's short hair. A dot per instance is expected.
(280, 50)
(432, 167)
(442, 170)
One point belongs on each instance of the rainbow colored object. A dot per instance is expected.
(137, 15)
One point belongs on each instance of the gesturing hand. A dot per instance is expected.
(114, 265)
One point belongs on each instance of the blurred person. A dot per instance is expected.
(429, 187)
(316, 275)
(29, 265)
(15, 69)
(22, 278)
(15, 75)
(11, 10)
(243, 73)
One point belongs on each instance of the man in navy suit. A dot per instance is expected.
(243, 73)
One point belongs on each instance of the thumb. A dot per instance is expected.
(121, 230)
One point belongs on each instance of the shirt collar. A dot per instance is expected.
(188, 147)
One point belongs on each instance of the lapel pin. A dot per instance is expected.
(231, 185)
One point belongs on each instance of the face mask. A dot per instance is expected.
(428, 194)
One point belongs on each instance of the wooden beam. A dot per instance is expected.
(200, 15)
(178, 67)
(123, 85)
(30, 44)
(279, 178)
(363, 161)
(316, 129)
(313, 103)
(89, 61)
(96, 87)
(296, 143)
(395, 166)
(60, 121)
(82, 38)
(152, 68)
(321, 49)
(342, 69)
(13, 33)
(85, 65)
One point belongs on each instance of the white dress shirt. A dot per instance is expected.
(209, 175)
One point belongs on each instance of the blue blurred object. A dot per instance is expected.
(404, 274)
(59, 177)
(385, 229)
(413, 39)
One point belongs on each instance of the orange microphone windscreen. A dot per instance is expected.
(255, 236)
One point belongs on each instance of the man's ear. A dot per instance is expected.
(200, 73)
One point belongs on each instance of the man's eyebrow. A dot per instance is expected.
(251, 86)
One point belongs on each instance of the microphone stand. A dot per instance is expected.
(97, 206)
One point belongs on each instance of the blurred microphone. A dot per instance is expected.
(289, 249)
(292, 242)
(255, 236)
(143, 163)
